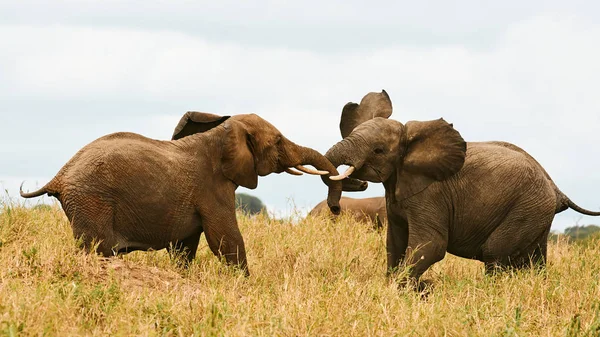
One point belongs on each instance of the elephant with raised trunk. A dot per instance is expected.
(489, 201)
(365, 210)
(127, 192)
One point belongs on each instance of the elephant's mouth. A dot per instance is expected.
(354, 185)
(361, 173)
(378, 174)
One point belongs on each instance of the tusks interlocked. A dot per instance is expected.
(305, 170)
(343, 175)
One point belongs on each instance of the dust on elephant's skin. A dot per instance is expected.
(489, 201)
(130, 192)
(366, 210)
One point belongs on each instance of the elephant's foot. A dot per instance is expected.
(422, 286)
(533, 261)
(494, 268)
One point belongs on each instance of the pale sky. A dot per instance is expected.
(523, 72)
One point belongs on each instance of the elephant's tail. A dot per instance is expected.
(33, 194)
(581, 210)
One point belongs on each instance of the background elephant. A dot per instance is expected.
(128, 192)
(489, 201)
(366, 210)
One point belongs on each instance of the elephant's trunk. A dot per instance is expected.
(337, 155)
(306, 156)
(345, 153)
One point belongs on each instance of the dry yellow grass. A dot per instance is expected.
(314, 278)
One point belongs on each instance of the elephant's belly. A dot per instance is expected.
(468, 252)
(468, 244)
(157, 232)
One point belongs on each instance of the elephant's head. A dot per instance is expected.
(379, 149)
(252, 147)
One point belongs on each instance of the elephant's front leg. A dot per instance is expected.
(224, 238)
(397, 241)
(187, 247)
(426, 246)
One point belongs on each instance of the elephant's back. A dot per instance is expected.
(501, 155)
(319, 208)
(505, 166)
(127, 166)
(129, 150)
(363, 210)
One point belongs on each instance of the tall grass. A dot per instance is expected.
(312, 278)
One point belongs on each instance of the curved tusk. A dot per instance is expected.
(293, 172)
(344, 175)
(310, 171)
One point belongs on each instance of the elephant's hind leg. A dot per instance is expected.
(92, 223)
(95, 244)
(519, 242)
(534, 255)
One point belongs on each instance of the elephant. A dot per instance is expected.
(365, 210)
(488, 201)
(125, 192)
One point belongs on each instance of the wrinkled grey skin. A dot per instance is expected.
(489, 201)
(129, 192)
(366, 210)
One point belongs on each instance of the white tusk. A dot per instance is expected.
(344, 175)
(293, 172)
(310, 171)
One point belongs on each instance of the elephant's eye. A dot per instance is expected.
(378, 150)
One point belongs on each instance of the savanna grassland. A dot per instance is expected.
(312, 278)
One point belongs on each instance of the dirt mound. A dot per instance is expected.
(133, 275)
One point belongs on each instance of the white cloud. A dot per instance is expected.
(535, 86)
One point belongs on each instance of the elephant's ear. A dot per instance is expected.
(237, 160)
(434, 151)
(374, 104)
(194, 122)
